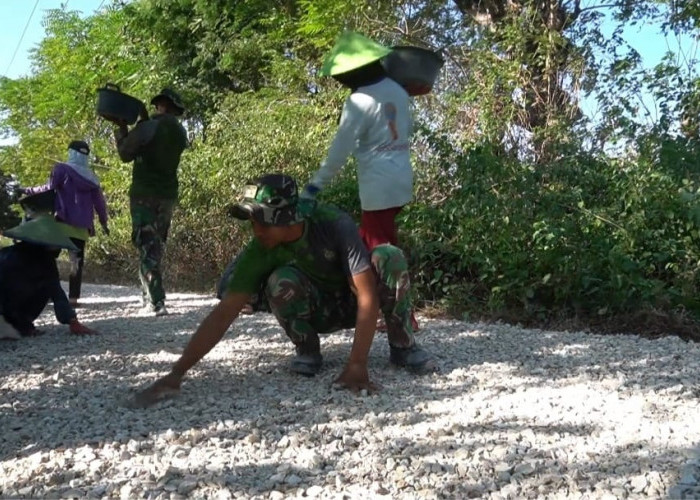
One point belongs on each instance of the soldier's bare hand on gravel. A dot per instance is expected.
(356, 378)
(163, 388)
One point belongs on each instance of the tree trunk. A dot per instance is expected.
(544, 56)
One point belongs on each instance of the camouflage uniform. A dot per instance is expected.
(155, 145)
(150, 223)
(308, 280)
(304, 309)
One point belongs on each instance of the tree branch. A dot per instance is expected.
(602, 6)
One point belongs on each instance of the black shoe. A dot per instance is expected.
(415, 359)
(308, 360)
(160, 310)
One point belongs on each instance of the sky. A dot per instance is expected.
(652, 45)
(21, 29)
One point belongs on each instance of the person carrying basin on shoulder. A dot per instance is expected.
(155, 145)
(375, 127)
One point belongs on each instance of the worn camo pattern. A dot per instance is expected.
(394, 289)
(304, 309)
(273, 200)
(257, 300)
(150, 223)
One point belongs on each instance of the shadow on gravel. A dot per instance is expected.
(167, 334)
(262, 378)
(688, 484)
(543, 356)
(623, 473)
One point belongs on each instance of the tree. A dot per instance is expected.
(211, 48)
(56, 104)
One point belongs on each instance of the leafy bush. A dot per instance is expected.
(8, 196)
(583, 236)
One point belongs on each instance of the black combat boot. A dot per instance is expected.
(415, 359)
(308, 360)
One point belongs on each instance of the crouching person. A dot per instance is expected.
(29, 278)
(257, 300)
(305, 308)
(318, 277)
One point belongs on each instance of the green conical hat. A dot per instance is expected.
(351, 51)
(43, 230)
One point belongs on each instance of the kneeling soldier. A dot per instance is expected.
(318, 277)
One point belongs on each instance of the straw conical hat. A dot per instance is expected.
(352, 51)
(43, 230)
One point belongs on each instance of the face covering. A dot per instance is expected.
(79, 162)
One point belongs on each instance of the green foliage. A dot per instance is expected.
(254, 132)
(589, 237)
(323, 20)
(212, 48)
(522, 206)
(8, 196)
(45, 112)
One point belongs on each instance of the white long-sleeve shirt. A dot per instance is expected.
(375, 126)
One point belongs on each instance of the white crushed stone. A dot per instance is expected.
(514, 413)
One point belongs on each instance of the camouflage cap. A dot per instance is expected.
(272, 199)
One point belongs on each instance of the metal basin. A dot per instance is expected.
(113, 104)
(414, 68)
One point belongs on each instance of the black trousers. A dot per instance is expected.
(77, 259)
(22, 313)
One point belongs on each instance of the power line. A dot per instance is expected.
(21, 37)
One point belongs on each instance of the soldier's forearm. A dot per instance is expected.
(210, 332)
(365, 326)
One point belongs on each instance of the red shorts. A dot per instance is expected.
(379, 226)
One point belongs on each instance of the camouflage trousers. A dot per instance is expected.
(303, 309)
(150, 223)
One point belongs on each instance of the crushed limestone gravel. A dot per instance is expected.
(514, 413)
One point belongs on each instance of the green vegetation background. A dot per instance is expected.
(525, 209)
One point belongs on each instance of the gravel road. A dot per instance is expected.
(514, 413)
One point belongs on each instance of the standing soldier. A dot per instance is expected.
(155, 145)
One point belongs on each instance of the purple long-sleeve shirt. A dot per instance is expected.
(77, 197)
